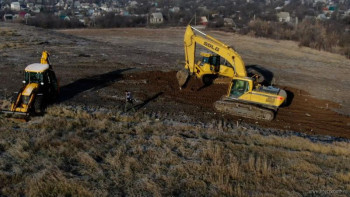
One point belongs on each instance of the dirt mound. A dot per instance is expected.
(195, 93)
(303, 113)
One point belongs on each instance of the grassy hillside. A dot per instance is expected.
(79, 151)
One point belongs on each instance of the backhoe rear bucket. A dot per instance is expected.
(182, 77)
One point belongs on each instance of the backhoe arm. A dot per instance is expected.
(45, 58)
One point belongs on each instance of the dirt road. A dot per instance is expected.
(96, 66)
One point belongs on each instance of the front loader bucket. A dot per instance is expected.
(182, 77)
(15, 115)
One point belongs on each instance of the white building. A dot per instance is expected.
(283, 17)
(8, 17)
(174, 9)
(106, 8)
(15, 6)
(156, 18)
(85, 5)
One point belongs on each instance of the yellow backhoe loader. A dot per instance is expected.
(40, 87)
(246, 97)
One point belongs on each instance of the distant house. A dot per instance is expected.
(77, 4)
(15, 6)
(22, 14)
(203, 8)
(35, 9)
(90, 12)
(322, 17)
(228, 22)
(8, 17)
(283, 17)
(23, 7)
(278, 8)
(65, 18)
(60, 4)
(85, 5)
(174, 9)
(125, 13)
(133, 4)
(156, 18)
(6, 6)
(203, 21)
(94, 5)
(106, 8)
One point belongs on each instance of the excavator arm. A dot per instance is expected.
(236, 67)
(45, 58)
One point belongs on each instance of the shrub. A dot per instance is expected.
(112, 20)
(51, 21)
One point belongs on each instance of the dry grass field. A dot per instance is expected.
(79, 151)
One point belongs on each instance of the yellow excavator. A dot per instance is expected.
(246, 97)
(40, 87)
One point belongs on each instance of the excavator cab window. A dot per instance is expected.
(205, 60)
(215, 61)
(239, 87)
(212, 60)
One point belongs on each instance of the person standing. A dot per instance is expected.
(129, 101)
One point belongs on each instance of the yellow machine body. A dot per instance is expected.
(40, 81)
(223, 60)
(25, 98)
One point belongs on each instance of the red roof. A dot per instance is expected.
(22, 14)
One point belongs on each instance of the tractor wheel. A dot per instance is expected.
(39, 105)
(207, 80)
(251, 72)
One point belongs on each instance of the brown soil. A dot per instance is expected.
(303, 113)
(96, 66)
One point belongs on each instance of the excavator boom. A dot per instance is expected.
(236, 65)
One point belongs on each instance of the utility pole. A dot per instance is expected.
(195, 19)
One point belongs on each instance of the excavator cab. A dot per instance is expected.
(238, 88)
(213, 61)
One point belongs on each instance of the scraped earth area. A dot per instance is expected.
(96, 66)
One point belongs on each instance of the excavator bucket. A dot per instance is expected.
(182, 77)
